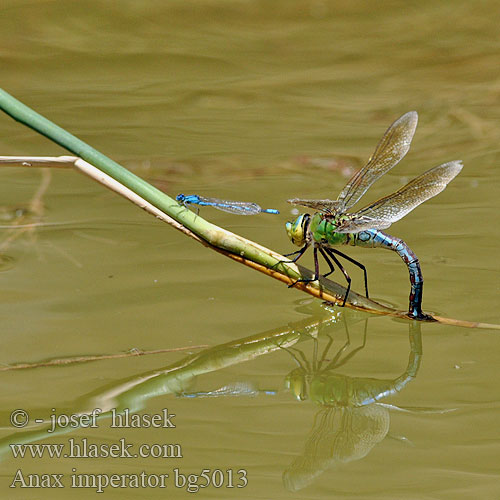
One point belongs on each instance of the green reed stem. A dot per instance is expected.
(214, 235)
(209, 232)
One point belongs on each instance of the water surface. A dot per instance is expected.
(252, 101)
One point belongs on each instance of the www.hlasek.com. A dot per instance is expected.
(75, 448)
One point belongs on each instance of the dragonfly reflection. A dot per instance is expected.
(352, 418)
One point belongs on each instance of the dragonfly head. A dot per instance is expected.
(296, 382)
(297, 230)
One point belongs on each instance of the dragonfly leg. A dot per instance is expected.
(354, 351)
(304, 364)
(188, 204)
(325, 351)
(299, 254)
(328, 261)
(356, 263)
(316, 270)
(341, 267)
(333, 363)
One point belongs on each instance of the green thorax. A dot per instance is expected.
(322, 230)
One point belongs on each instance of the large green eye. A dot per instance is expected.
(297, 230)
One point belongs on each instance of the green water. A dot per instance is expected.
(259, 101)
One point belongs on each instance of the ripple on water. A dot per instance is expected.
(6, 262)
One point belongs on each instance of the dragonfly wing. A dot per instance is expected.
(233, 207)
(321, 205)
(382, 213)
(389, 152)
(238, 207)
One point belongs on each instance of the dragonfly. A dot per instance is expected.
(332, 225)
(233, 207)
